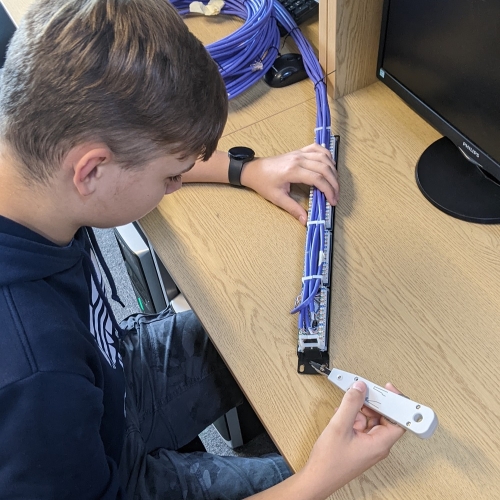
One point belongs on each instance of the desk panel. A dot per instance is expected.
(17, 8)
(414, 301)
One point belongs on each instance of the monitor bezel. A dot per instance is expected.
(444, 127)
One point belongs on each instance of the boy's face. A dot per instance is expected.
(129, 194)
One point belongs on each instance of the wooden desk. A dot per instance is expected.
(415, 297)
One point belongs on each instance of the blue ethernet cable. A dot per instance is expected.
(313, 302)
(243, 58)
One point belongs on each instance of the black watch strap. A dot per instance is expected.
(238, 156)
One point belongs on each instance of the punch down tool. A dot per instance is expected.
(413, 416)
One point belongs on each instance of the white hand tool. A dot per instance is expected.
(413, 416)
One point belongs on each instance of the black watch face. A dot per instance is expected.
(241, 153)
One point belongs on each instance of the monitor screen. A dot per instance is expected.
(441, 56)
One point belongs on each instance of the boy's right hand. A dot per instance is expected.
(355, 439)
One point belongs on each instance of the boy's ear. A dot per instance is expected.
(88, 169)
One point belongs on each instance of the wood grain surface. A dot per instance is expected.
(414, 297)
(349, 40)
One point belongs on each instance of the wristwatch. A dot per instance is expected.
(238, 156)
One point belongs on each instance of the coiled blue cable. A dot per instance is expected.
(245, 55)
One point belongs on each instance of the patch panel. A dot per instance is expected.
(313, 304)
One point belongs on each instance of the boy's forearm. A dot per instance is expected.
(215, 169)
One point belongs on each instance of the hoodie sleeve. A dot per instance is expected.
(51, 447)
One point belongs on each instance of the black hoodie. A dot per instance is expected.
(61, 379)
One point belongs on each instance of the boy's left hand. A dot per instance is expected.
(272, 177)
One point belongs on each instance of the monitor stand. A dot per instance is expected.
(456, 186)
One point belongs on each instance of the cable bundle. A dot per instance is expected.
(314, 71)
(243, 58)
(245, 55)
(314, 259)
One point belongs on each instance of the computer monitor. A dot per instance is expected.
(442, 58)
(7, 28)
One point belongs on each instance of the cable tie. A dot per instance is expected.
(313, 277)
(312, 222)
(321, 80)
(288, 34)
(322, 128)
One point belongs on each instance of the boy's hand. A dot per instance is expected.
(271, 177)
(355, 439)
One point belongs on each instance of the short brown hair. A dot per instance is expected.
(127, 72)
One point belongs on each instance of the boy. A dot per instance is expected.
(104, 104)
